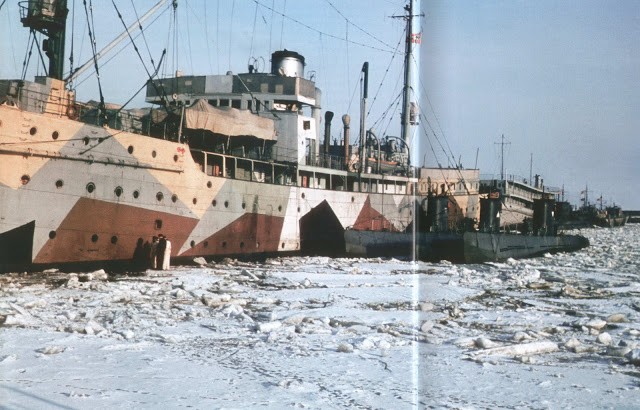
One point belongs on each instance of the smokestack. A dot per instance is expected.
(328, 116)
(346, 120)
(363, 114)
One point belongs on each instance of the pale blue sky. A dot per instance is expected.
(558, 78)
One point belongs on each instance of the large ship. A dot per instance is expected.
(223, 165)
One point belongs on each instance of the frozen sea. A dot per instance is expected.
(559, 331)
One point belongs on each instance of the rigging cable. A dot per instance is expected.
(175, 39)
(149, 75)
(284, 8)
(73, 30)
(44, 64)
(393, 56)
(206, 36)
(135, 47)
(319, 31)
(253, 32)
(189, 37)
(233, 6)
(358, 27)
(101, 106)
(424, 90)
(164, 52)
(144, 38)
(348, 69)
(397, 102)
(115, 54)
(271, 27)
(218, 34)
(27, 55)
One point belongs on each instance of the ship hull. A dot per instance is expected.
(425, 246)
(73, 194)
(481, 246)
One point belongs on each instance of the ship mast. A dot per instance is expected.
(48, 17)
(410, 39)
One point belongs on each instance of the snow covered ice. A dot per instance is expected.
(560, 331)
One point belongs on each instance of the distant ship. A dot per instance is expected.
(588, 215)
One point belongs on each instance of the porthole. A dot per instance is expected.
(282, 246)
(25, 179)
(59, 183)
(224, 244)
(214, 202)
(114, 239)
(303, 195)
(33, 131)
(279, 208)
(118, 191)
(353, 199)
(193, 244)
(130, 149)
(153, 153)
(85, 140)
(244, 205)
(241, 245)
(94, 238)
(226, 204)
(91, 187)
(175, 158)
(195, 201)
(136, 194)
(52, 234)
(205, 244)
(159, 196)
(209, 184)
(55, 135)
(298, 209)
(174, 198)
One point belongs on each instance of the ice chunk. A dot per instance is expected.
(51, 349)
(200, 261)
(604, 338)
(520, 349)
(269, 326)
(345, 348)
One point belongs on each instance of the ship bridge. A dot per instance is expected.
(283, 95)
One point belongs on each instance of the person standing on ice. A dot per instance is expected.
(162, 244)
(167, 254)
(153, 256)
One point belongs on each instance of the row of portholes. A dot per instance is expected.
(114, 240)
(223, 244)
(34, 131)
(94, 237)
(119, 191)
(130, 150)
